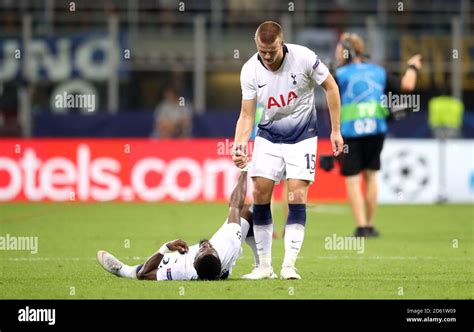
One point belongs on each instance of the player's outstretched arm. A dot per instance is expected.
(334, 104)
(243, 130)
(237, 199)
(148, 271)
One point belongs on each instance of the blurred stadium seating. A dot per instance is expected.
(198, 48)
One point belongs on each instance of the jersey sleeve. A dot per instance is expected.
(229, 234)
(227, 242)
(316, 69)
(247, 82)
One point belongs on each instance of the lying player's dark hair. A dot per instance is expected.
(208, 267)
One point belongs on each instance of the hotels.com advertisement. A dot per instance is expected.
(132, 170)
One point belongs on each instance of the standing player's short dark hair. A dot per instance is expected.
(268, 32)
(208, 267)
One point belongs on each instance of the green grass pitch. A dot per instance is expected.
(424, 252)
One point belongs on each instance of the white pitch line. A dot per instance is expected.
(329, 209)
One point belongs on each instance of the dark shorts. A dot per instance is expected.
(363, 153)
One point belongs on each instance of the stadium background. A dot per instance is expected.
(127, 53)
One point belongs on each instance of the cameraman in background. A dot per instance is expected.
(363, 123)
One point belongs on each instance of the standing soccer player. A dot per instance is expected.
(282, 77)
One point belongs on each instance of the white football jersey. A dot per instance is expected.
(287, 95)
(176, 266)
(228, 243)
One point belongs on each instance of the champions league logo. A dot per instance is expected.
(316, 64)
(361, 87)
(406, 172)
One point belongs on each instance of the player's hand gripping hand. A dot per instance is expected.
(239, 157)
(337, 143)
(179, 245)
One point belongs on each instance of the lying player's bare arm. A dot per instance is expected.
(237, 199)
(148, 271)
(243, 130)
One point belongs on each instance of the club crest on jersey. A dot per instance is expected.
(293, 76)
(273, 102)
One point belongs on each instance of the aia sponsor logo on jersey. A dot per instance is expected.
(273, 102)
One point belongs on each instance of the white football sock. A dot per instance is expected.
(250, 240)
(294, 235)
(128, 271)
(244, 228)
(263, 242)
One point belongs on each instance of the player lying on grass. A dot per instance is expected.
(209, 260)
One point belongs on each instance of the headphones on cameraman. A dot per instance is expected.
(348, 49)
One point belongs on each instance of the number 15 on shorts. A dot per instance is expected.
(310, 162)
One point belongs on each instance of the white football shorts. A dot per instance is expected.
(270, 160)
